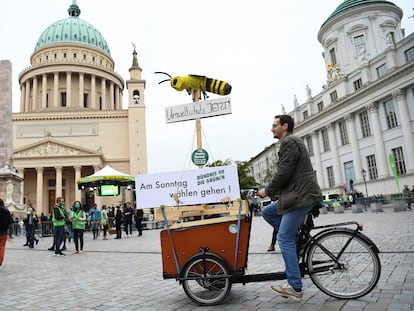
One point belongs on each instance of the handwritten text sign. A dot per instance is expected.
(201, 109)
(201, 186)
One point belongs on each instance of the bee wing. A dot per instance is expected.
(197, 76)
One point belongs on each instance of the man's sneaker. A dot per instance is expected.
(287, 291)
(59, 255)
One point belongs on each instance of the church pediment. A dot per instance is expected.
(51, 148)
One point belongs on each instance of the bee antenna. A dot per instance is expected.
(164, 81)
(163, 73)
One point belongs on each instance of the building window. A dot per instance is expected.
(55, 55)
(100, 102)
(409, 54)
(331, 177)
(136, 97)
(390, 38)
(47, 100)
(320, 106)
(75, 55)
(64, 55)
(366, 130)
(85, 100)
(372, 167)
(52, 182)
(63, 99)
(399, 160)
(382, 70)
(333, 56)
(305, 115)
(309, 145)
(359, 43)
(334, 96)
(390, 114)
(343, 132)
(357, 84)
(325, 140)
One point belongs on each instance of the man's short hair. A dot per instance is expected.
(1, 203)
(58, 199)
(284, 118)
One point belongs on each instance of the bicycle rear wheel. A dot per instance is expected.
(206, 279)
(353, 275)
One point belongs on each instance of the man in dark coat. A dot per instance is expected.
(295, 183)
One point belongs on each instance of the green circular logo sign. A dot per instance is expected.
(199, 157)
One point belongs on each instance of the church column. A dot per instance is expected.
(34, 94)
(78, 193)
(117, 107)
(120, 98)
(39, 191)
(58, 181)
(68, 89)
(23, 97)
(55, 90)
(408, 136)
(318, 162)
(103, 93)
(44, 92)
(93, 91)
(382, 164)
(334, 148)
(81, 89)
(111, 95)
(353, 140)
(27, 99)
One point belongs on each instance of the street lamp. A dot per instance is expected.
(364, 176)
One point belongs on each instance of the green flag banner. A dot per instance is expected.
(394, 170)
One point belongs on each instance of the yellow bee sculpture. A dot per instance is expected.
(194, 82)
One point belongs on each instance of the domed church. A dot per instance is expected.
(71, 121)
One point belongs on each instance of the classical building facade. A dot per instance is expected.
(71, 121)
(364, 114)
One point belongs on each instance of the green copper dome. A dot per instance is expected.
(72, 29)
(352, 4)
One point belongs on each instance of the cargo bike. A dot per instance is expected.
(205, 248)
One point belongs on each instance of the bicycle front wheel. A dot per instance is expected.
(206, 280)
(352, 273)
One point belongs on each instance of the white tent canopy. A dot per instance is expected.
(106, 176)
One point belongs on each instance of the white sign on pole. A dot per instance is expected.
(197, 110)
(201, 186)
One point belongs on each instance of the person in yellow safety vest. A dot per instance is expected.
(336, 203)
(78, 219)
(58, 220)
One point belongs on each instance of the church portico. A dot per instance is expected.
(51, 169)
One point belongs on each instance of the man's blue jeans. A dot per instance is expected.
(59, 232)
(287, 226)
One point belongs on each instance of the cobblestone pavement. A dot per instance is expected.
(126, 274)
